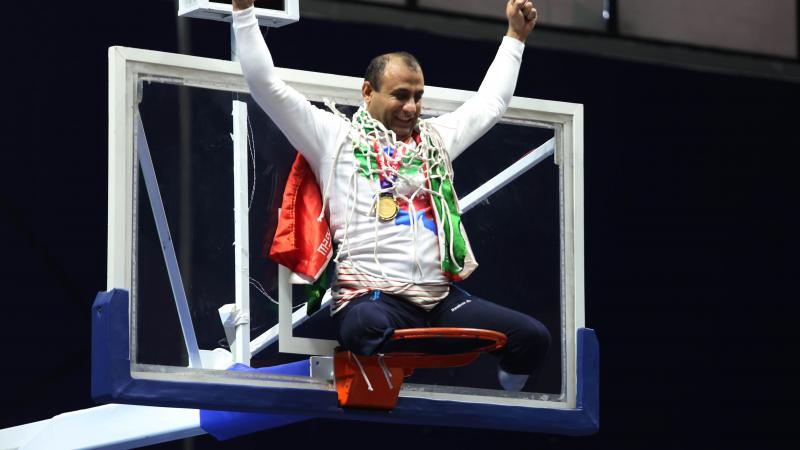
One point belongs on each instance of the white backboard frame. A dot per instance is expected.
(129, 67)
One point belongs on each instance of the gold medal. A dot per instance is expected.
(387, 207)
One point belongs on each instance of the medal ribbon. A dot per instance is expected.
(388, 161)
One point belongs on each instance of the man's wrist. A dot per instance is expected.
(240, 5)
(516, 35)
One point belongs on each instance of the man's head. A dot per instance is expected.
(392, 90)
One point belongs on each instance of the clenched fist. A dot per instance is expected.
(521, 16)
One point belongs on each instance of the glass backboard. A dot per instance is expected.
(196, 178)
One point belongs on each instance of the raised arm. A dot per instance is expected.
(462, 127)
(311, 130)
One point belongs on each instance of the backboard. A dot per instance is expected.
(196, 175)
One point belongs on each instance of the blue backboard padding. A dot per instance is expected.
(588, 396)
(113, 381)
(225, 425)
(110, 344)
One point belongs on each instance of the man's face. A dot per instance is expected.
(398, 103)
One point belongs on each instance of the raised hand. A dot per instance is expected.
(242, 4)
(521, 16)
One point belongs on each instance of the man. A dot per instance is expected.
(387, 190)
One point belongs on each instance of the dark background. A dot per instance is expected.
(691, 225)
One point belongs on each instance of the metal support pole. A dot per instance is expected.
(173, 270)
(240, 347)
(611, 16)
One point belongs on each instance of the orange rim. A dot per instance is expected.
(496, 339)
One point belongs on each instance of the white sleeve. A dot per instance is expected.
(312, 131)
(460, 128)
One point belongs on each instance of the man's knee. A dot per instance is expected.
(529, 341)
(364, 329)
(536, 337)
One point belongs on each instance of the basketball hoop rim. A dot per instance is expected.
(408, 361)
(497, 339)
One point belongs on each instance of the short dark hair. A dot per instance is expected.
(377, 66)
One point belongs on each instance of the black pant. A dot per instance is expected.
(369, 320)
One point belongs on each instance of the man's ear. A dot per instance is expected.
(367, 91)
